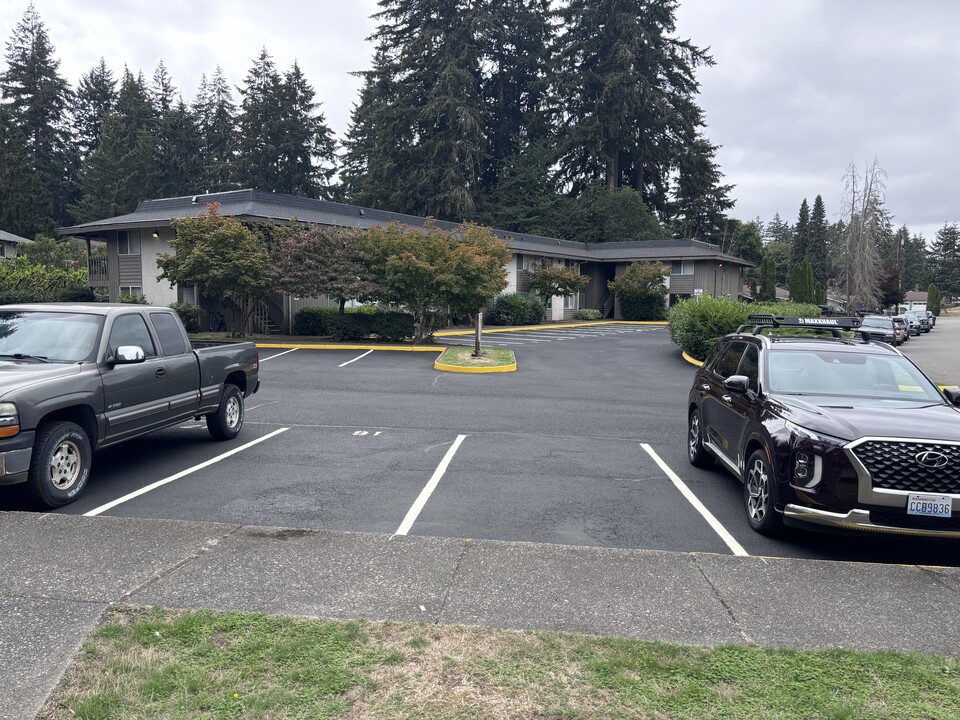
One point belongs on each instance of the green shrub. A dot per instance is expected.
(10, 296)
(189, 316)
(77, 294)
(313, 320)
(588, 314)
(392, 325)
(516, 309)
(696, 324)
(352, 326)
(132, 299)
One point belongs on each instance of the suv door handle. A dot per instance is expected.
(705, 387)
(160, 372)
(727, 399)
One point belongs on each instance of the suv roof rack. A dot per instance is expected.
(834, 325)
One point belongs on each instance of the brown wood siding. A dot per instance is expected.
(682, 284)
(523, 281)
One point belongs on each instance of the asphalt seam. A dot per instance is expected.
(453, 579)
(167, 572)
(938, 578)
(726, 606)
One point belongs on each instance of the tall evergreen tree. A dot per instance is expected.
(217, 124)
(945, 256)
(913, 260)
(700, 200)
(19, 182)
(118, 174)
(307, 146)
(40, 100)
(420, 117)
(625, 86)
(260, 121)
(95, 97)
(801, 235)
(178, 166)
(767, 291)
(816, 252)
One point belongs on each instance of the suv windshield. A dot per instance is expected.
(54, 336)
(824, 372)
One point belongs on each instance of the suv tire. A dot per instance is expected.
(758, 484)
(696, 453)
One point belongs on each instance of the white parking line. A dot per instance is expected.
(182, 473)
(428, 489)
(278, 355)
(734, 546)
(355, 359)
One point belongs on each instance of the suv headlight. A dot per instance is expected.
(807, 461)
(808, 434)
(9, 420)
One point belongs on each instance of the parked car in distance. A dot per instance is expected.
(903, 327)
(828, 432)
(913, 321)
(932, 318)
(77, 377)
(879, 327)
(832, 311)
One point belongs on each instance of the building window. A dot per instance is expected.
(134, 290)
(569, 302)
(681, 267)
(128, 242)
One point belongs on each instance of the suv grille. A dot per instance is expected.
(893, 465)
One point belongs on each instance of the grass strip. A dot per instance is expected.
(154, 663)
(462, 356)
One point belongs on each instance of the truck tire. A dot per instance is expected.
(60, 466)
(225, 423)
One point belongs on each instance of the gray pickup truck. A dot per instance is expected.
(75, 378)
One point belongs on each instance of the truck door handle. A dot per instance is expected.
(160, 372)
(705, 387)
(727, 399)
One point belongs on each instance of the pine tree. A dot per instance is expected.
(816, 252)
(19, 182)
(40, 100)
(700, 200)
(118, 174)
(420, 117)
(801, 235)
(307, 146)
(217, 125)
(778, 231)
(260, 121)
(95, 97)
(624, 87)
(768, 280)
(945, 254)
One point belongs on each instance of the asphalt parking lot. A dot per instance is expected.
(583, 445)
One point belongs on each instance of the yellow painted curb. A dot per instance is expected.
(534, 328)
(692, 360)
(459, 369)
(327, 346)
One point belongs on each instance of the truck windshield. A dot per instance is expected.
(53, 336)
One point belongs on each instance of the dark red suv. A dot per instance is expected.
(828, 431)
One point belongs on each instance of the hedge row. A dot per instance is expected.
(516, 309)
(356, 324)
(697, 324)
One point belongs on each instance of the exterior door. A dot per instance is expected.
(183, 370)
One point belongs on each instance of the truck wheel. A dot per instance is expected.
(60, 466)
(226, 422)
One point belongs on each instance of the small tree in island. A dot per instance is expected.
(551, 280)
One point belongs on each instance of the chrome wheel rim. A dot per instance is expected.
(758, 491)
(232, 412)
(65, 465)
(694, 439)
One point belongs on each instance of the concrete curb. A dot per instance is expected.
(459, 369)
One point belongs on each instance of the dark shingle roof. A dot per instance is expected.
(10, 237)
(257, 204)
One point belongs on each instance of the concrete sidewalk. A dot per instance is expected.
(59, 573)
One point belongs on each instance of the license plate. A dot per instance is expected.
(929, 505)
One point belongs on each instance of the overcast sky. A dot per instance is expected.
(800, 87)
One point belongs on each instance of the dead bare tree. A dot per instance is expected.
(860, 262)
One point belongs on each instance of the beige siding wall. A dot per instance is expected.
(158, 292)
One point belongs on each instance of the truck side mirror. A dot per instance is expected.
(128, 355)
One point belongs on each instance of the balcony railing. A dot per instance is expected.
(97, 271)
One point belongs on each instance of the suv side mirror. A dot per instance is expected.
(953, 395)
(737, 383)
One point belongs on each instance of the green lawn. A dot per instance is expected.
(150, 663)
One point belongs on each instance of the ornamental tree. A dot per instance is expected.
(324, 261)
(641, 291)
(550, 280)
(223, 258)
